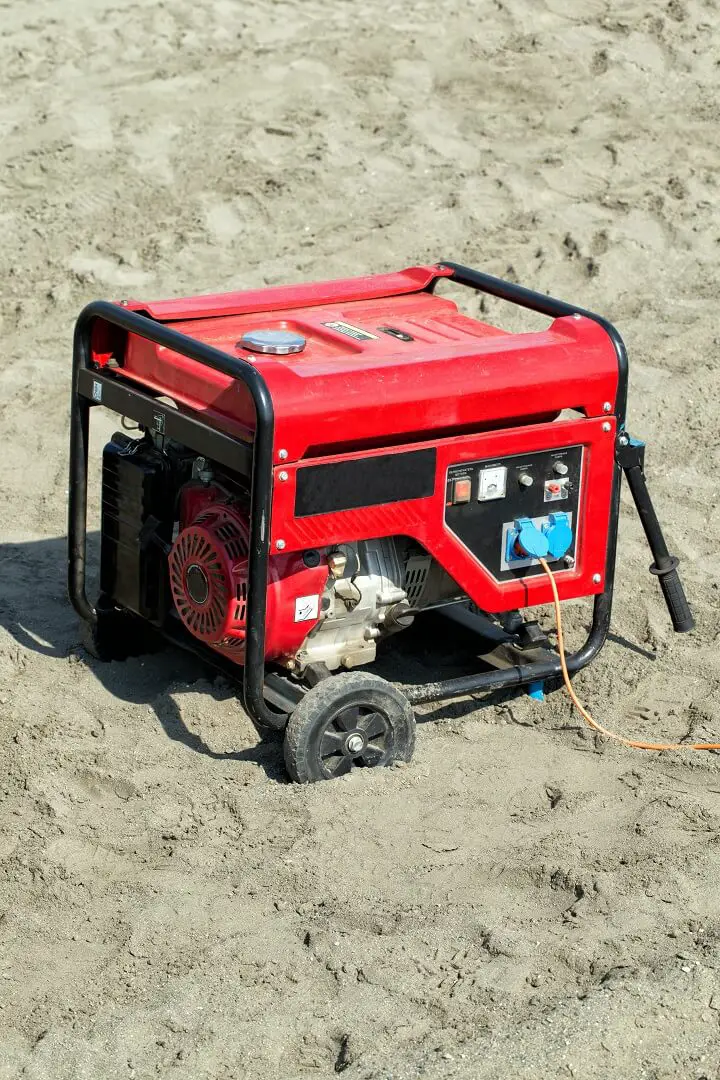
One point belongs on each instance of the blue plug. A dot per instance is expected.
(559, 534)
(526, 541)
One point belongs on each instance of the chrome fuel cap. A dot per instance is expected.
(277, 342)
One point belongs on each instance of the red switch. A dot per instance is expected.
(462, 490)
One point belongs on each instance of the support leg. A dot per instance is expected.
(631, 455)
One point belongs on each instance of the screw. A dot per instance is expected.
(607, 407)
(607, 427)
(577, 315)
(280, 544)
(597, 578)
(623, 439)
(569, 561)
(282, 454)
(282, 475)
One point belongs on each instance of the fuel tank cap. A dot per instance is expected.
(277, 342)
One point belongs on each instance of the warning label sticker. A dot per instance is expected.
(307, 608)
(356, 332)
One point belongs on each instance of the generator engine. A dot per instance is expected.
(314, 467)
(175, 539)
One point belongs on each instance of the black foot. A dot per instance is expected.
(118, 634)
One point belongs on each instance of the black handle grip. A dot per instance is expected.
(677, 605)
(630, 455)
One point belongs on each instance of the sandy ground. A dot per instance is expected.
(519, 902)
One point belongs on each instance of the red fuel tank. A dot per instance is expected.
(384, 361)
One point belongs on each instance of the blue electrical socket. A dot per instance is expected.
(531, 540)
(551, 538)
(559, 534)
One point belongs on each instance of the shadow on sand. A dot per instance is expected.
(35, 611)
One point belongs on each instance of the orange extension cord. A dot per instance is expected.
(583, 712)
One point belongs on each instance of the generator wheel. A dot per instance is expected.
(353, 719)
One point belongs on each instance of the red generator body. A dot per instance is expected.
(314, 468)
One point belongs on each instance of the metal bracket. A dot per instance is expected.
(629, 452)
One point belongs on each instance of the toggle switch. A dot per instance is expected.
(461, 491)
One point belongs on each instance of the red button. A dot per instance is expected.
(462, 490)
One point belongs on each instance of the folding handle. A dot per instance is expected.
(545, 305)
(677, 605)
(631, 457)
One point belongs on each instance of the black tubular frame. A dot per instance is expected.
(520, 674)
(260, 475)
(94, 386)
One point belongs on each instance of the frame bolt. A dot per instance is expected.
(577, 315)
(597, 578)
(569, 561)
(282, 475)
(623, 439)
(607, 407)
(280, 544)
(606, 426)
(282, 454)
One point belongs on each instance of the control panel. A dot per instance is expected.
(511, 511)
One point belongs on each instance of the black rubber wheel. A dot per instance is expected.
(353, 719)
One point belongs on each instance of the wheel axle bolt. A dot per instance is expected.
(355, 744)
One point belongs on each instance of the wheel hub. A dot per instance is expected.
(355, 743)
(356, 735)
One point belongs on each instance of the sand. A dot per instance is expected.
(520, 901)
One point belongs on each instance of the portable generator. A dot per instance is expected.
(312, 469)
